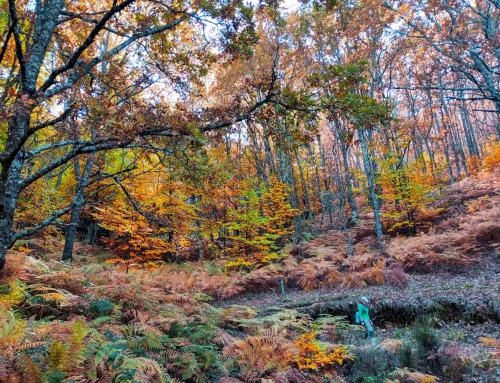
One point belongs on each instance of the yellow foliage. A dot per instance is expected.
(492, 158)
(474, 165)
(494, 343)
(490, 342)
(405, 375)
(15, 294)
(406, 190)
(238, 264)
(312, 355)
(52, 297)
(11, 330)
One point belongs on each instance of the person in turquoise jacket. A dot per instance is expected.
(363, 316)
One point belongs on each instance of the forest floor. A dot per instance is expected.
(466, 304)
(478, 285)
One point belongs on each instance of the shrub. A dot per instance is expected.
(260, 356)
(493, 360)
(315, 356)
(372, 365)
(455, 362)
(492, 159)
(334, 328)
(404, 375)
(395, 276)
(101, 306)
(425, 335)
(406, 355)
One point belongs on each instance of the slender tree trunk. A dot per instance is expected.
(371, 183)
(458, 144)
(317, 180)
(468, 130)
(306, 194)
(341, 136)
(448, 133)
(78, 204)
(347, 173)
(327, 195)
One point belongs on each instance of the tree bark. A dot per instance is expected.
(370, 177)
(78, 204)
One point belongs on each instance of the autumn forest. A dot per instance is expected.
(210, 190)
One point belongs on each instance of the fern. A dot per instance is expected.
(27, 366)
(334, 326)
(98, 322)
(58, 356)
(4, 368)
(13, 293)
(29, 346)
(283, 319)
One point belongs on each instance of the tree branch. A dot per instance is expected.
(88, 41)
(6, 42)
(17, 40)
(77, 75)
(136, 206)
(10, 155)
(46, 222)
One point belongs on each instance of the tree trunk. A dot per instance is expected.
(326, 197)
(468, 130)
(350, 193)
(46, 18)
(306, 194)
(10, 179)
(78, 204)
(371, 183)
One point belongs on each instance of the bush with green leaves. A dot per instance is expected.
(425, 335)
(371, 365)
(406, 355)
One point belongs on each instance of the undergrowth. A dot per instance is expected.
(93, 322)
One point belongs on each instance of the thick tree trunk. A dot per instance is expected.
(10, 178)
(71, 228)
(46, 17)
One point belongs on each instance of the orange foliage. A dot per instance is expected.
(492, 159)
(133, 238)
(474, 165)
(493, 343)
(259, 356)
(312, 355)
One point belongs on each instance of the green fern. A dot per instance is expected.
(58, 356)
